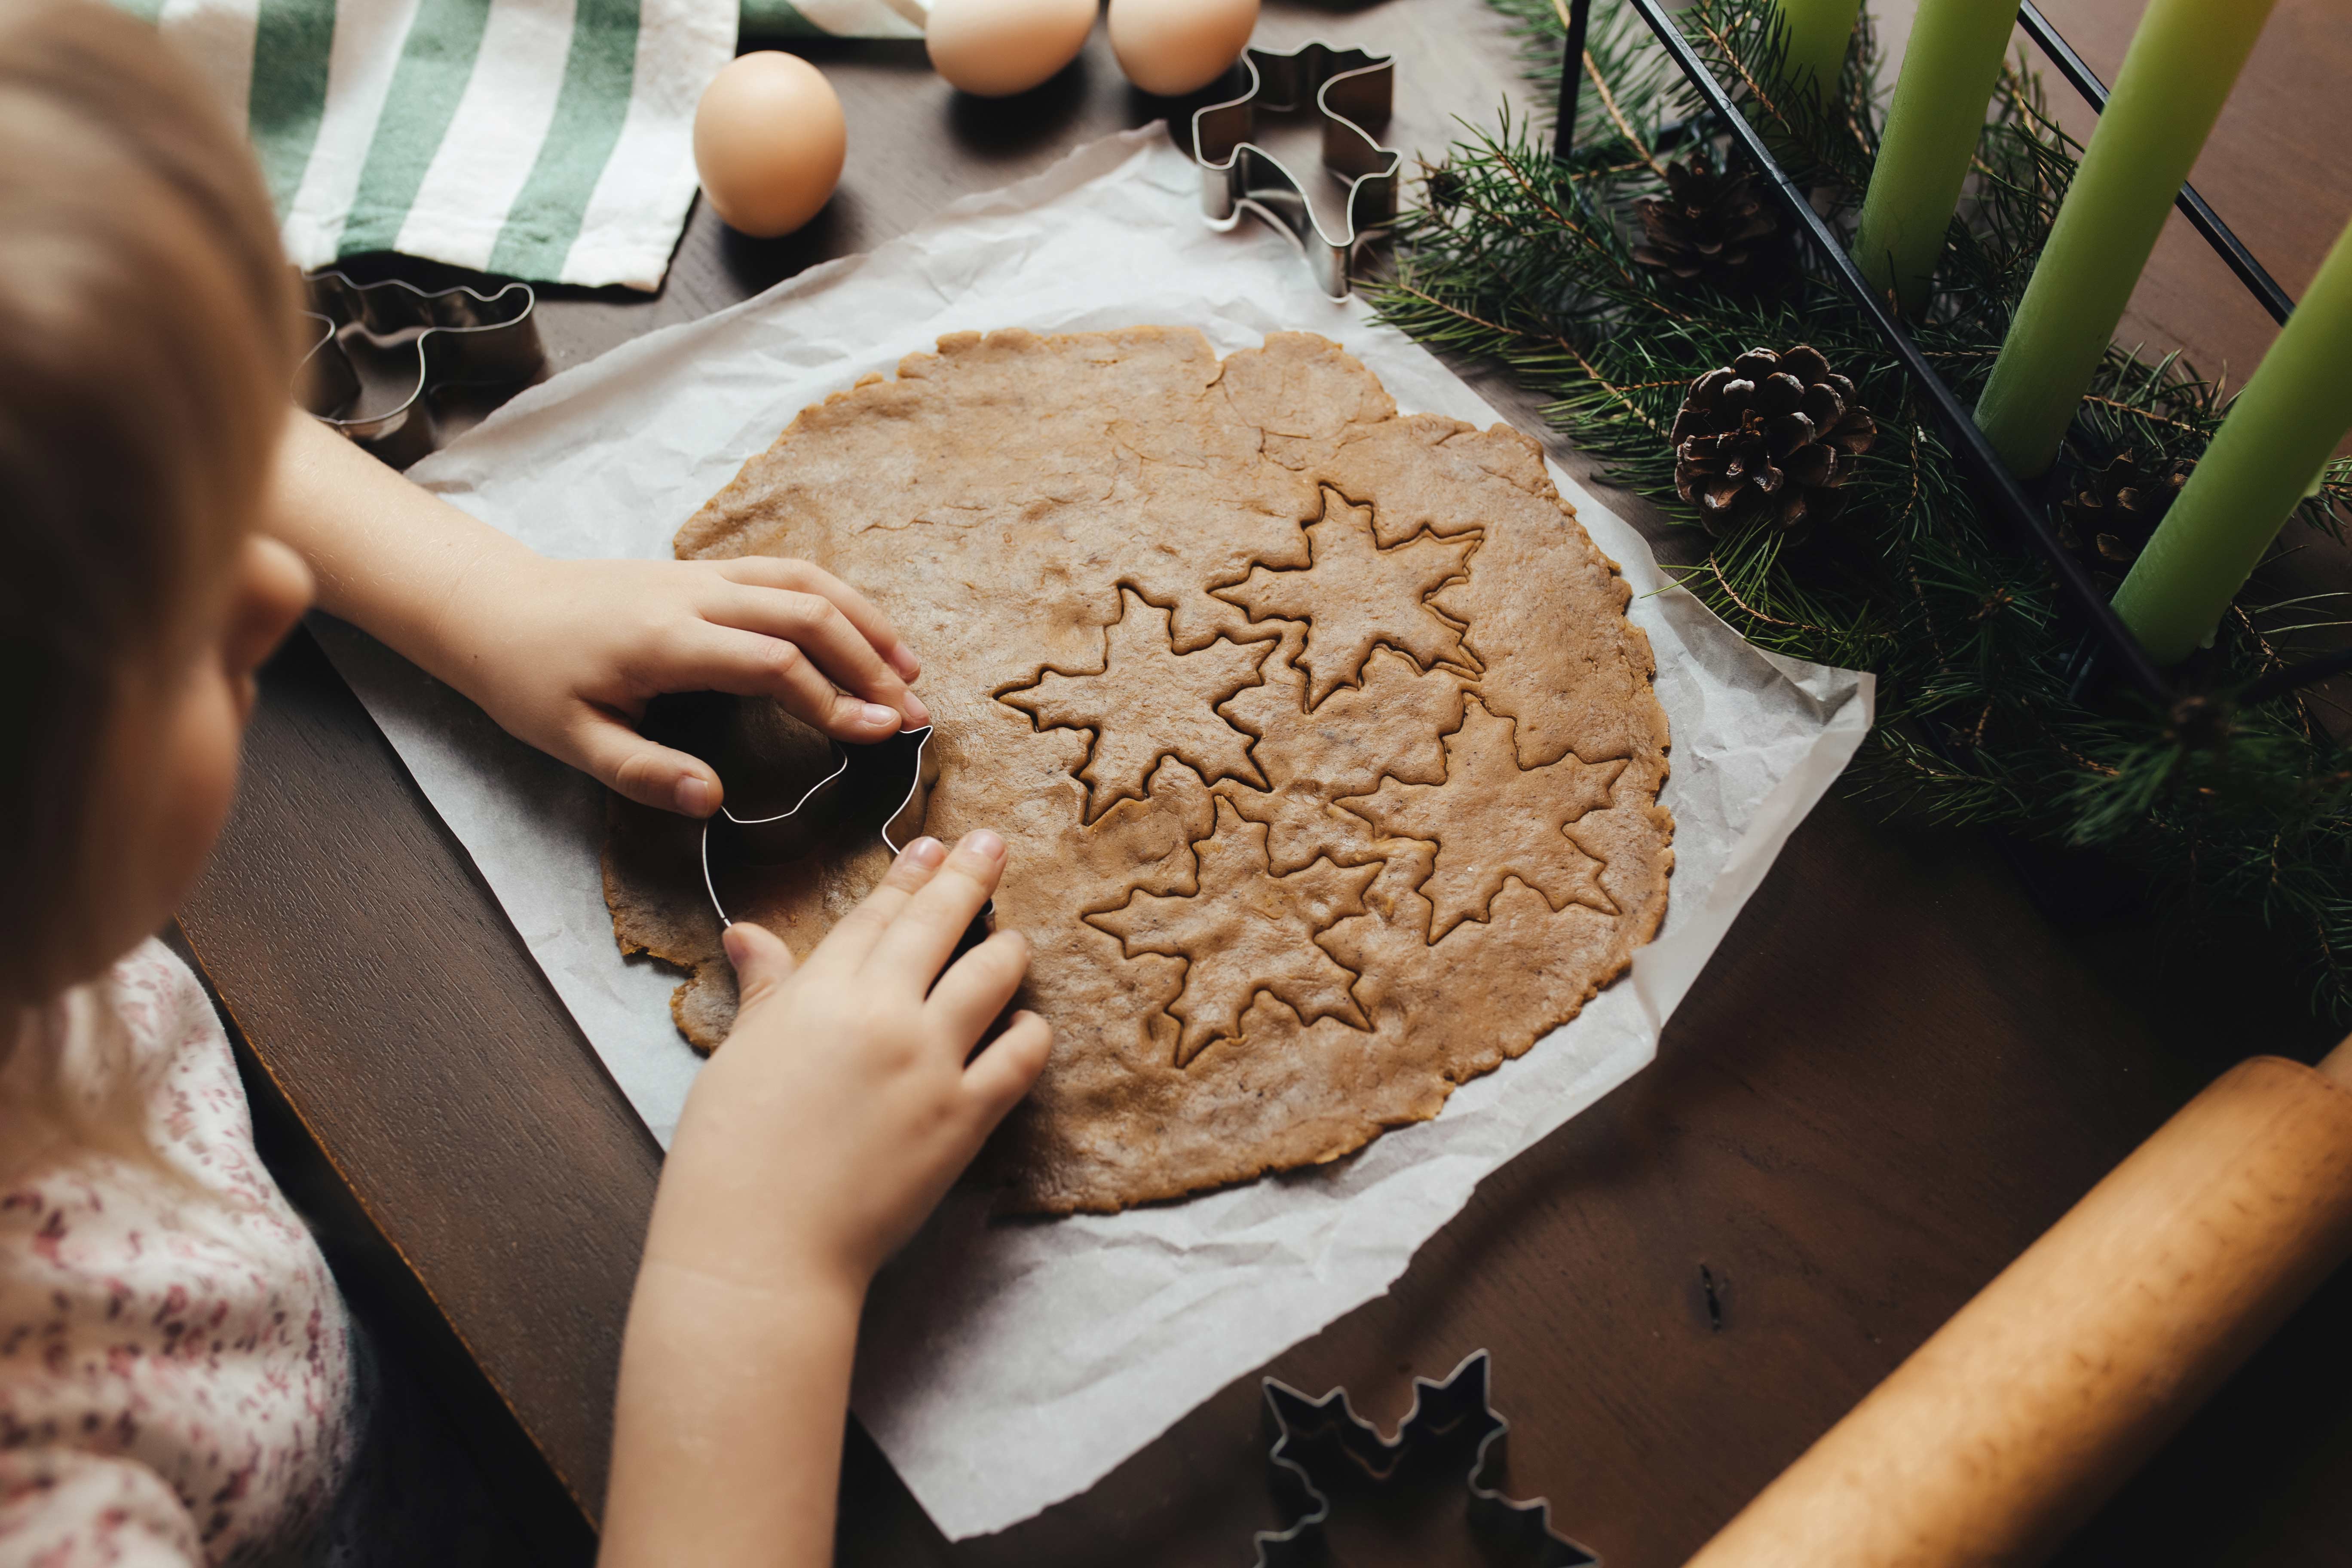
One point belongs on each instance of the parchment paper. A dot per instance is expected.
(1007, 1367)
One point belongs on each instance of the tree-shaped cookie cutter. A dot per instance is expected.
(461, 337)
(1349, 89)
(892, 778)
(1447, 1420)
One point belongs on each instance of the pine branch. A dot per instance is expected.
(1528, 261)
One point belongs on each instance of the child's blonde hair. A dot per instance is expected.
(147, 335)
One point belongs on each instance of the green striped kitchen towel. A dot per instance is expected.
(543, 139)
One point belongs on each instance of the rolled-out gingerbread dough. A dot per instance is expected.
(1328, 758)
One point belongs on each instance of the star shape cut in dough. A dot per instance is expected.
(1146, 703)
(1390, 726)
(1523, 813)
(1244, 932)
(1355, 596)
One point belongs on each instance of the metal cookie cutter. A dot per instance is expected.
(1451, 1430)
(461, 338)
(1350, 89)
(891, 778)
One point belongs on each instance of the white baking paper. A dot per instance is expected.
(1004, 1367)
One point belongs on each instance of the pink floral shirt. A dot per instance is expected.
(175, 1371)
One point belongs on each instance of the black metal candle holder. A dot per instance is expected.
(2110, 644)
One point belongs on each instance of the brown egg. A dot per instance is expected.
(1175, 47)
(994, 48)
(769, 141)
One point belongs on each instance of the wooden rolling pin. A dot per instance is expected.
(2021, 1414)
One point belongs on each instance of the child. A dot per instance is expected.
(174, 1365)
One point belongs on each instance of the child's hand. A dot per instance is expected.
(566, 654)
(841, 1108)
(815, 1142)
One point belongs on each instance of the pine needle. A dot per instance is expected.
(1526, 261)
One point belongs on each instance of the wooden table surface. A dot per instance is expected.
(1896, 1071)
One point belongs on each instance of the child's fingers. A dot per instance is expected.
(761, 961)
(649, 774)
(800, 576)
(976, 988)
(1001, 1074)
(749, 664)
(916, 944)
(819, 628)
(845, 947)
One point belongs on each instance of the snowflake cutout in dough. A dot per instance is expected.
(1526, 812)
(1243, 932)
(1147, 701)
(1356, 596)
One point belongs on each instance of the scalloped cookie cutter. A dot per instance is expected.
(1348, 88)
(1447, 1420)
(462, 338)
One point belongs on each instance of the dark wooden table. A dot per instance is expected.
(1897, 1070)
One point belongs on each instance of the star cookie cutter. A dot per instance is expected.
(1450, 1423)
(1349, 89)
(894, 777)
(461, 337)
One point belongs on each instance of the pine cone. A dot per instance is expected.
(1770, 439)
(2107, 520)
(1444, 187)
(1720, 230)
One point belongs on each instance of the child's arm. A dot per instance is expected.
(832, 1121)
(565, 654)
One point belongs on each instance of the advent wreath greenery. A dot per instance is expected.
(1612, 283)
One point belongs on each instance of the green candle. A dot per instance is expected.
(2279, 433)
(1932, 128)
(1817, 32)
(2179, 67)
